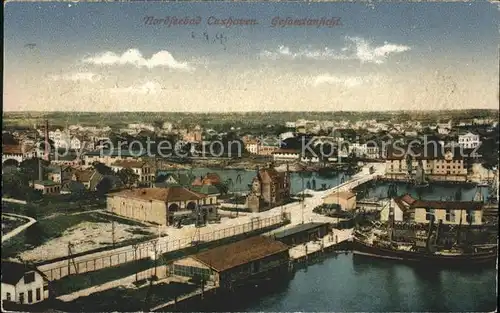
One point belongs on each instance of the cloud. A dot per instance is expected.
(149, 87)
(356, 48)
(134, 57)
(345, 81)
(78, 77)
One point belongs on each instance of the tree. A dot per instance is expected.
(104, 186)
(128, 177)
(34, 235)
(102, 168)
(8, 139)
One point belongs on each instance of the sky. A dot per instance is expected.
(95, 56)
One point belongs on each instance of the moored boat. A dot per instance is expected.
(486, 254)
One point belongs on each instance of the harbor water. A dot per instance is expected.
(353, 283)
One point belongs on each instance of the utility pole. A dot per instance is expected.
(136, 247)
(303, 204)
(113, 232)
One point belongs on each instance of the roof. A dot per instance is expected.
(241, 252)
(129, 163)
(297, 229)
(84, 176)
(13, 149)
(343, 194)
(46, 182)
(181, 178)
(455, 205)
(116, 152)
(206, 189)
(293, 151)
(73, 186)
(169, 194)
(12, 272)
(212, 178)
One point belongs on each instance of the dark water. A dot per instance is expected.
(241, 184)
(433, 192)
(348, 283)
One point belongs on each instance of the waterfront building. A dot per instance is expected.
(156, 205)
(174, 179)
(110, 156)
(302, 233)
(270, 188)
(436, 162)
(346, 200)
(469, 140)
(449, 212)
(17, 152)
(252, 146)
(144, 171)
(231, 265)
(286, 155)
(23, 283)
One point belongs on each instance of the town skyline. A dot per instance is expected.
(96, 57)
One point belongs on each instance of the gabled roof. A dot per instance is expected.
(241, 252)
(129, 163)
(12, 272)
(452, 205)
(85, 175)
(46, 183)
(169, 194)
(206, 189)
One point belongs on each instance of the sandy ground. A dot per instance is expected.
(84, 236)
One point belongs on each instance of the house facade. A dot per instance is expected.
(436, 163)
(23, 284)
(144, 171)
(346, 200)
(286, 155)
(155, 205)
(269, 188)
(469, 140)
(449, 212)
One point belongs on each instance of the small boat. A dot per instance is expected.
(483, 184)
(439, 258)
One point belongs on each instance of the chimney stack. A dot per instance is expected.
(47, 146)
(40, 170)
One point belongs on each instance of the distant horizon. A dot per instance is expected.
(266, 112)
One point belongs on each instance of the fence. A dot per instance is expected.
(155, 248)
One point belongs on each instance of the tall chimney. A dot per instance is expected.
(47, 146)
(40, 170)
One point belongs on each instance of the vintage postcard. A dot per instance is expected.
(250, 156)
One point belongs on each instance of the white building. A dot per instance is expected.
(290, 125)
(286, 155)
(61, 139)
(359, 149)
(75, 143)
(18, 153)
(469, 141)
(23, 284)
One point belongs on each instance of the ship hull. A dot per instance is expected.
(362, 248)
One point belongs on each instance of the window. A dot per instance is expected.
(30, 296)
(429, 214)
(21, 297)
(38, 294)
(450, 215)
(29, 277)
(470, 217)
(9, 297)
